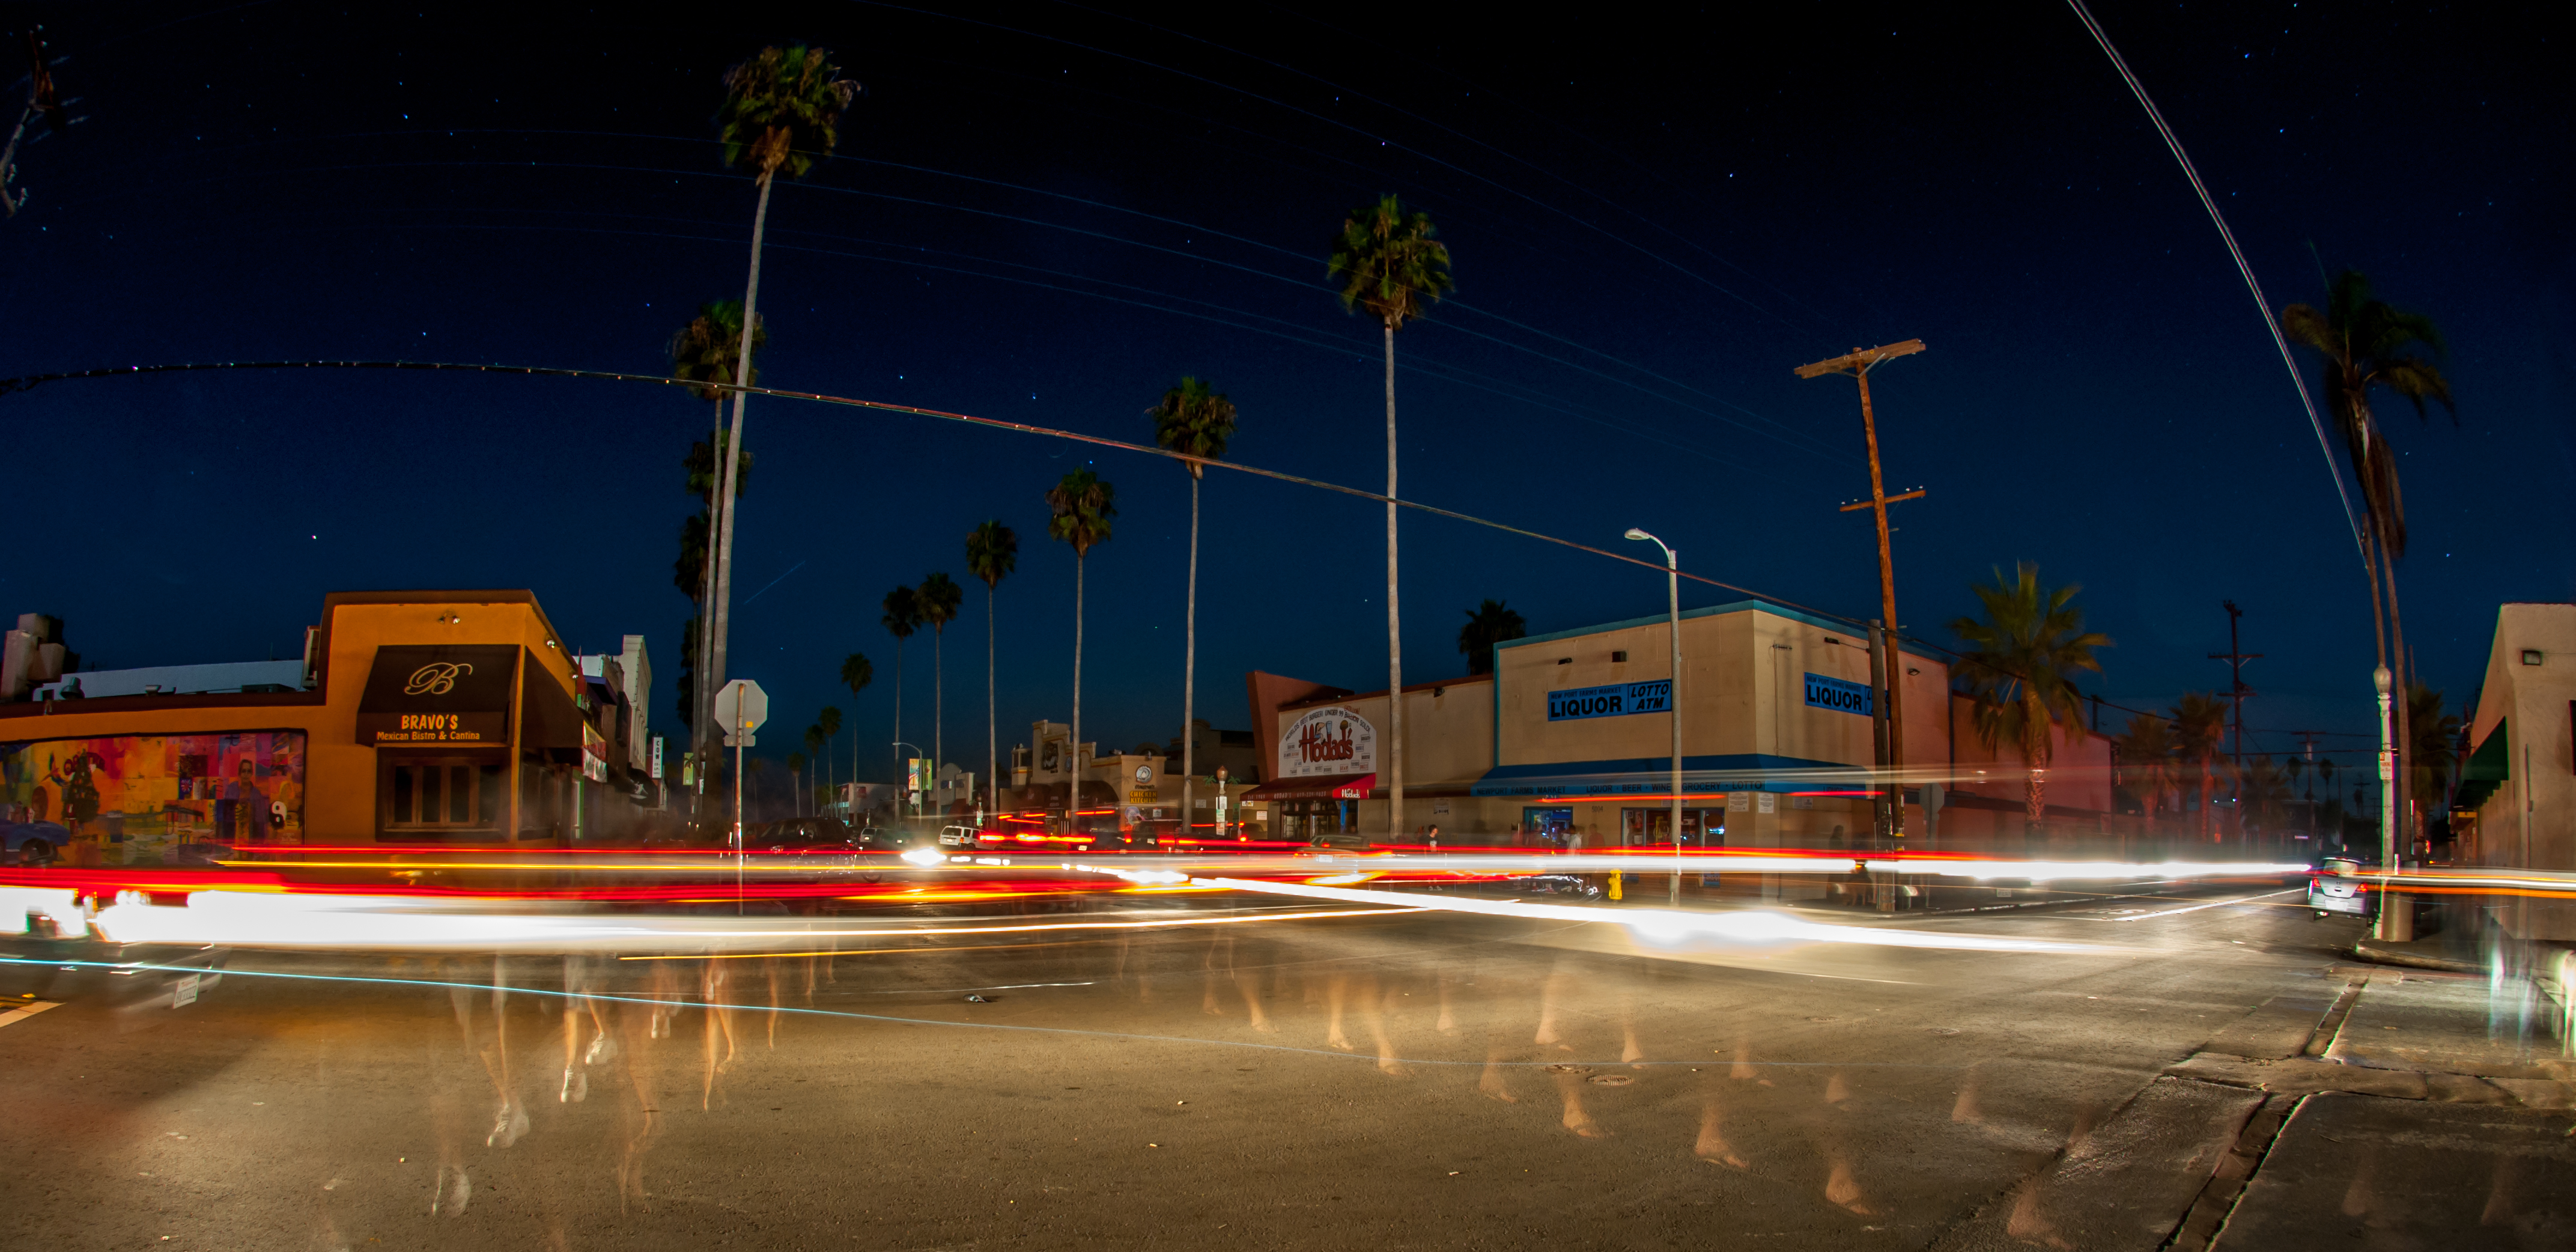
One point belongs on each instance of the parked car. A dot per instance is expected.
(2336, 887)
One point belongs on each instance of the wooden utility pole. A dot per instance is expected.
(2236, 657)
(1858, 364)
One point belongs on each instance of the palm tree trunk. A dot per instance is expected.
(938, 698)
(1394, 624)
(730, 454)
(898, 715)
(2034, 758)
(992, 731)
(703, 697)
(1073, 764)
(1190, 670)
(2404, 745)
(2208, 784)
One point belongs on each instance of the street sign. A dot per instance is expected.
(741, 706)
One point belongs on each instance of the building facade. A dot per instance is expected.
(2519, 778)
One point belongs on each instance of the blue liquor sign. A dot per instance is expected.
(1835, 693)
(1614, 700)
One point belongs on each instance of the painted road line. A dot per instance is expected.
(2140, 917)
(23, 1011)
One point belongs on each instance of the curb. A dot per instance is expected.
(2408, 960)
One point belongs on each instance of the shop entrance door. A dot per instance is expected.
(1546, 827)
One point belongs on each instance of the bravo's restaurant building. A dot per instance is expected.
(1569, 741)
(440, 716)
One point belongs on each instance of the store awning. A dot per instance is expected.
(551, 721)
(1653, 775)
(2489, 767)
(1316, 787)
(457, 695)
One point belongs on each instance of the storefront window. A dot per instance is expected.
(1652, 828)
(1546, 827)
(436, 795)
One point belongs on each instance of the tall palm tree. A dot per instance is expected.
(1392, 268)
(992, 552)
(902, 617)
(1079, 510)
(1488, 624)
(856, 674)
(1196, 422)
(814, 750)
(782, 109)
(707, 351)
(2146, 759)
(796, 781)
(2364, 343)
(939, 595)
(2199, 728)
(2020, 666)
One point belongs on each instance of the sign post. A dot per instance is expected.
(741, 707)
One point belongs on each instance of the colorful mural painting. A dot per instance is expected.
(142, 799)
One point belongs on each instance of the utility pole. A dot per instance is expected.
(2236, 657)
(1858, 364)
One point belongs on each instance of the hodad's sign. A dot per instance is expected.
(1329, 740)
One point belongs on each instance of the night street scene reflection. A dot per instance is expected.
(1756, 627)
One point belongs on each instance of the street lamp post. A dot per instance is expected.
(1673, 698)
(2396, 923)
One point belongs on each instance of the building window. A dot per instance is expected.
(432, 795)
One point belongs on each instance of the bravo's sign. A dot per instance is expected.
(1332, 740)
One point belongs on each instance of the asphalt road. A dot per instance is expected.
(1383, 1081)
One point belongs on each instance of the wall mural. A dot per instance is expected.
(136, 799)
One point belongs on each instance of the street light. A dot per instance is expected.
(2396, 920)
(1673, 698)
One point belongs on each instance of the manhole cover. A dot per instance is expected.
(1568, 1069)
(1943, 1030)
(1613, 1080)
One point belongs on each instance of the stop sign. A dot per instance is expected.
(741, 706)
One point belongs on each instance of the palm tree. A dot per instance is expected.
(2199, 728)
(2365, 342)
(796, 781)
(1079, 512)
(939, 596)
(1194, 422)
(902, 617)
(813, 749)
(856, 674)
(1488, 624)
(2020, 667)
(1395, 270)
(706, 351)
(992, 552)
(2432, 754)
(2146, 759)
(782, 108)
(829, 722)
(2263, 795)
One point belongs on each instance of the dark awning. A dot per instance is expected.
(2488, 768)
(1316, 787)
(548, 718)
(454, 694)
(1653, 775)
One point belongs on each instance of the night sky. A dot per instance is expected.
(1048, 213)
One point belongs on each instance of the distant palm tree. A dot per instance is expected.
(992, 552)
(856, 674)
(2147, 759)
(1392, 268)
(782, 109)
(813, 749)
(2366, 342)
(2435, 750)
(796, 777)
(1080, 509)
(2020, 667)
(708, 350)
(902, 618)
(1192, 421)
(2263, 795)
(829, 722)
(939, 595)
(1488, 624)
(2199, 727)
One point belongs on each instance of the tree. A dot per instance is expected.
(2433, 752)
(939, 595)
(829, 722)
(796, 776)
(2263, 795)
(1196, 422)
(856, 674)
(782, 109)
(1393, 269)
(1488, 624)
(902, 617)
(702, 351)
(2364, 343)
(1080, 509)
(992, 552)
(2146, 759)
(813, 750)
(2199, 728)
(2020, 668)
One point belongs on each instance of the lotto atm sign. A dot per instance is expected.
(1615, 700)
